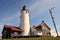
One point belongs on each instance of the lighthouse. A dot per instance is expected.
(24, 21)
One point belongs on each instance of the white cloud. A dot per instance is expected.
(9, 20)
(40, 7)
(1, 28)
(58, 26)
(13, 18)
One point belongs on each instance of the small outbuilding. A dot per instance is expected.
(41, 30)
(11, 31)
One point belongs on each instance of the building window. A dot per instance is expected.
(44, 28)
(49, 34)
(15, 33)
(38, 29)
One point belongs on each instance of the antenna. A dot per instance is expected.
(50, 10)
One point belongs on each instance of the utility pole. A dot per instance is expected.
(53, 20)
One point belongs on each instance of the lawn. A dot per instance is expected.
(36, 38)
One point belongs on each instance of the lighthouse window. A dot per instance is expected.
(26, 11)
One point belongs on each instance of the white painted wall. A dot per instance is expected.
(24, 23)
(36, 32)
(39, 33)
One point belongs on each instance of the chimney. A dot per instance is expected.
(42, 21)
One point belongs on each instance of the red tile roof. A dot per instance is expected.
(39, 26)
(14, 28)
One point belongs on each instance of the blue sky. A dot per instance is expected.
(38, 10)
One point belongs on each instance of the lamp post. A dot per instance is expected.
(53, 20)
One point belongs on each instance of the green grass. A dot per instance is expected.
(38, 38)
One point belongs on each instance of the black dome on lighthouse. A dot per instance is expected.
(24, 7)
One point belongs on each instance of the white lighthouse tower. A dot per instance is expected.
(24, 21)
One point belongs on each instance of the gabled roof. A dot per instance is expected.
(37, 27)
(14, 28)
(40, 26)
(47, 26)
